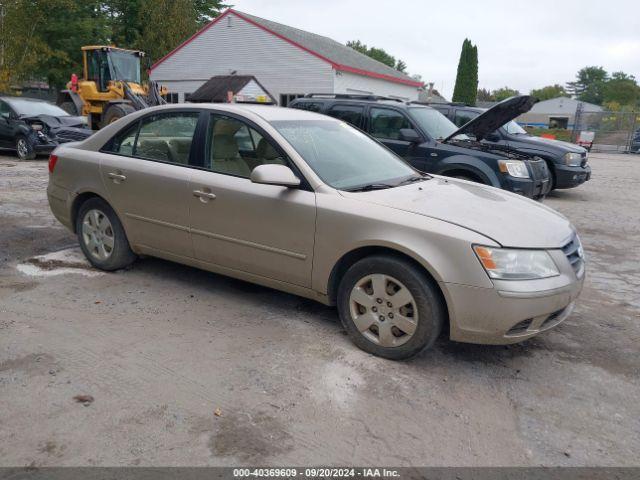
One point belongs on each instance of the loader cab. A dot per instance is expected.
(103, 64)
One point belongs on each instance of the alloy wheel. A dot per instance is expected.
(97, 234)
(22, 147)
(383, 310)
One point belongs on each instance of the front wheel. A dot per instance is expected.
(116, 112)
(102, 237)
(24, 148)
(389, 307)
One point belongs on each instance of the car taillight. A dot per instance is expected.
(52, 162)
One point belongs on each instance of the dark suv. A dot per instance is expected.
(567, 162)
(432, 143)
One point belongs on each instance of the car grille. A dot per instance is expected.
(64, 136)
(539, 169)
(573, 251)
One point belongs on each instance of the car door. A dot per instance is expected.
(6, 125)
(385, 124)
(265, 230)
(146, 171)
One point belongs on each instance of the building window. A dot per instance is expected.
(559, 122)
(187, 96)
(285, 98)
(172, 97)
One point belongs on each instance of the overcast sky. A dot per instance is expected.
(522, 45)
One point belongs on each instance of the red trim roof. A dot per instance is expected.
(336, 66)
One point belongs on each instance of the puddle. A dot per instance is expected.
(62, 262)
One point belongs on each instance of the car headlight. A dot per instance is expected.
(515, 168)
(512, 264)
(573, 159)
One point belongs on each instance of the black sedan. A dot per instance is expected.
(32, 127)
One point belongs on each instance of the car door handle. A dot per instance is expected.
(204, 196)
(434, 154)
(116, 177)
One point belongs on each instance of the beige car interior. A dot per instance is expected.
(225, 157)
(225, 152)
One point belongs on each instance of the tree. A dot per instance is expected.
(484, 95)
(41, 40)
(621, 89)
(466, 87)
(589, 85)
(503, 93)
(378, 54)
(549, 92)
(401, 66)
(166, 23)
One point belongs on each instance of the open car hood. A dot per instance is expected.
(495, 117)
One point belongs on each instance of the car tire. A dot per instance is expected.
(116, 112)
(24, 148)
(360, 303)
(70, 108)
(102, 237)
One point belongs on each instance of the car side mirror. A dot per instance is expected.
(492, 137)
(274, 175)
(410, 135)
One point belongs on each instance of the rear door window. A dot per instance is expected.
(464, 116)
(348, 113)
(165, 137)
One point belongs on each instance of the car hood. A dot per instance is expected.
(495, 117)
(62, 121)
(558, 144)
(506, 218)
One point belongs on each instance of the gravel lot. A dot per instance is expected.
(161, 347)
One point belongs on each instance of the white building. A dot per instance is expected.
(557, 112)
(289, 62)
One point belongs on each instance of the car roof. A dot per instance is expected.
(387, 103)
(459, 106)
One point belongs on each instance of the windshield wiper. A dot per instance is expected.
(417, 178)
(370, 186)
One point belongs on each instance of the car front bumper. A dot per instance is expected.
(512, 311)
(535, 189)
(570, 177)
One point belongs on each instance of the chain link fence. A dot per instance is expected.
(609, 131)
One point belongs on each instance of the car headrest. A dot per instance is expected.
(265, 150)
(224, 147)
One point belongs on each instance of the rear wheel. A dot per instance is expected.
(389, 307)
(24, 148)
(102, 237)
(116, 112)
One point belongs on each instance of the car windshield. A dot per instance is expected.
(434, 123)
(126, 66)
(31, 108)
(342, 156)
(514, 129)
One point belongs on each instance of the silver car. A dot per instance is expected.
(307, 204)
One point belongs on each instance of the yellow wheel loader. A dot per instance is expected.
(110, 87)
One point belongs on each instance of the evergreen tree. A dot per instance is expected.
(466, 87)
